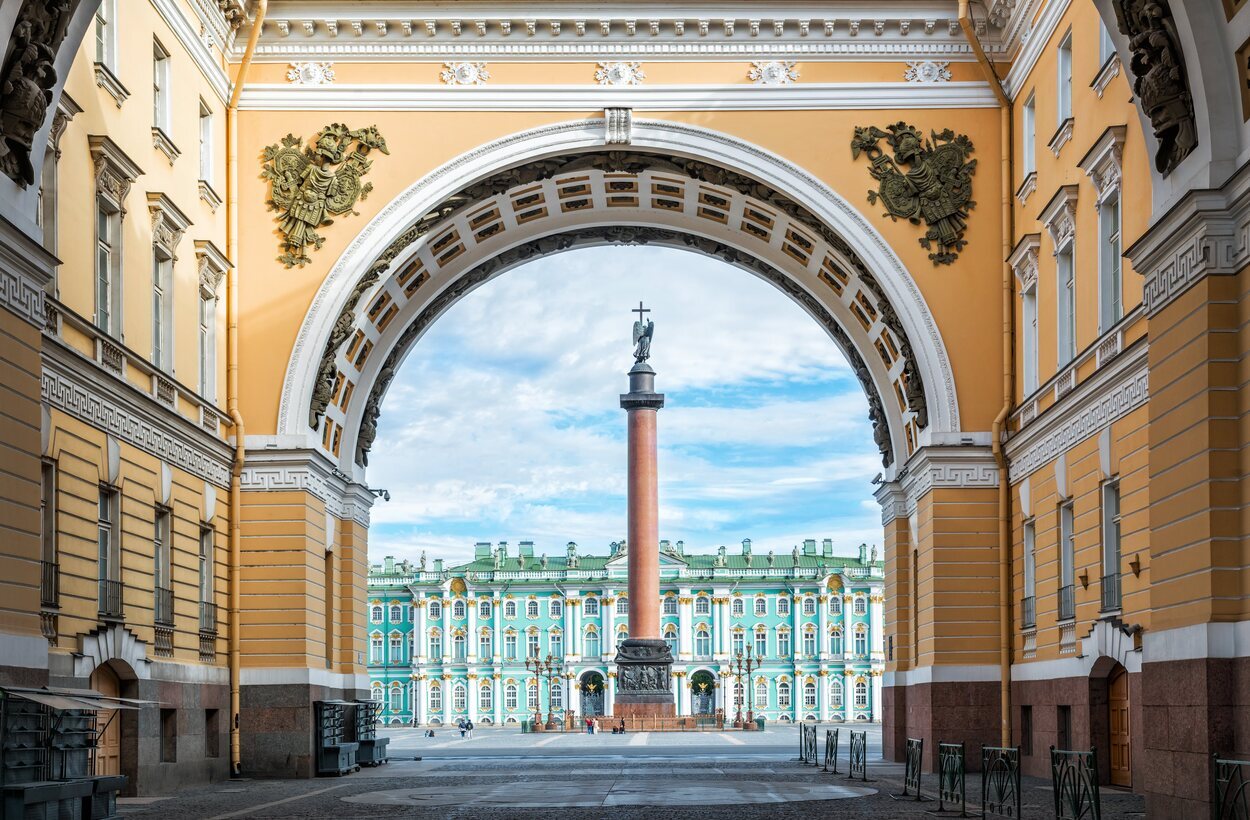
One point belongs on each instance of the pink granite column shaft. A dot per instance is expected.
(644, 526)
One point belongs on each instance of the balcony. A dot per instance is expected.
(110, 599)
(208, 617)
(1111, 592)
(49, 584)
(164, 606)
(1067, 602)
(1028, 611)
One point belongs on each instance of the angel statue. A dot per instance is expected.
(643, 331)
(927, 180)
(309, 184)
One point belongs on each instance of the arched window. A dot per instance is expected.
(761, 695)
(555, 608)
(809, 642)
(809, 605)
(375, 613)
(736, 608)
(436, 697)
(738, 696)
(861, 695)
(861, 640)
(835, 604)
(809, 695)
(556, 642)
(485, 697)
(457, 647)
(397, 648)
(835, 694)
(670, 605)
(375, 648)
(397, 699)
(761, 606)
(621, 635)
(702, 642)
(458, 700)
(592, 644)
(835, 642)
(702, 606)
(531, 696)
(436, 644)
(457, 609)
(783, 605)
(861, 605)
(509, 697)
(436, 611)
(670, 638)
(591, 607)
(375, 692)
(557, 696)
(484, 645)
(531, 608)
(783, 695)
(509, 609)
(397, 613)
(484, 608)
(622, 605)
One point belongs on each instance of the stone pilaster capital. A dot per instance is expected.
(472, 676)
(685, 601)
(822, 598)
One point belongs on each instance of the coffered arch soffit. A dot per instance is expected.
(558, 187)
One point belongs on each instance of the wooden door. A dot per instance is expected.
(108, 756)
(1121, 749)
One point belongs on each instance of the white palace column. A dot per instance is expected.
(848, 698)
(569, 705)
(875, 694)
(571, 608)
(607, 641)
(848, 621)
(822, 634)
(447, 683)
(496, 695)
(609, 699)
(418, 706)
(446, 635)
(683, 694)
(471, 696)
(470, 649)
(722, 622)
(876, 626)
(496, 644)
(418, 631)
(822, 694)
(684, 628)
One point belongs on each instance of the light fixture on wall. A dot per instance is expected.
(385, 495)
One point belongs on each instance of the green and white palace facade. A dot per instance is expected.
(447, 643)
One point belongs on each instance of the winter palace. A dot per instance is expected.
(447, 644)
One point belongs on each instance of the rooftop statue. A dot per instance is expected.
(643, 331)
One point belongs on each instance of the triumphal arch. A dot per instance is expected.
(1023, 222)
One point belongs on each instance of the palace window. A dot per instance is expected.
(702, 643)
(162, 308)
(622, 605)
(485, 697)
(1066, 283)
(1028, 138)
(591, 607)
(670, 638)
(861, 605)
(1067, 571)
(484, 609)
(161, 568)
(736, 608)
(621, 634)
(761, 606)
(509, 647)
(436, 611)
(108, 268)
(207, 345)
(555, 609)
(47, 509)
(783, 644)
(835, 694)
(509, 609)
(809, 643)
(397, 613)
(556, 642)
(592, 644)
(458, 647)
(1111, 545)
(783, 695)
(160, 88)
(375, 613)
(509, 697)
(556, 696)
(531, 608)
(809, 695)
(531, 645)
(1029, 310)
(737, 643)
(835, 642)
(835, 605)
(436, 697)
(670, 605)
(1063, 95)
(861, 640)
(1110, 287)
(702, 606)
(397, 649)
(809, 605)
(761, 644)
(206, 142)
(375, 649)
(739, 696)
(458, 700)
(861, 695)
(436, 645)
(484, 645)
(783, 604)
(531, 696)
(375, 692)
(207, 534)
(761, 695)
(106, 34)
(1030, 572)
(457, 610)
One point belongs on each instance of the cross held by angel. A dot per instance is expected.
(643, 331)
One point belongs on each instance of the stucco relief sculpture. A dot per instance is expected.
(1160, 83)
(309, 184)
(927, 180)
(27, 82)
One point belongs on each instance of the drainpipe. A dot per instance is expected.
(1008, 309)
(232, 374)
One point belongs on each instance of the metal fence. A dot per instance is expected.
(952, 778)
(1074, 777)
(1230, 781)
(831, 751)
(858, 762)
(913, 767)
(1000, 781)
(807, 744)
(49, 584)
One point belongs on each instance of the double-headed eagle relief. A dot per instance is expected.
(935, 186)
(309, 184)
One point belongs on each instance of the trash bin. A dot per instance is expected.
(759, 721)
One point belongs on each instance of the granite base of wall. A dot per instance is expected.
(948, 712)
(276, 727)
(640, 706)
(893, 722)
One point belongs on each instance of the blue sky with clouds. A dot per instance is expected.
(504, 424)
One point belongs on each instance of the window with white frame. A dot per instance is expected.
(1067, 554)
(783, 643)
(375, 692)
(161, 567)
(622, 633)
(861, 605)
(702, 643)
(1028, 136)
(1106, 46)
(484, 645)
(702, 606)
(1028, 309)
(397, 613)
(835, 604)
(436, 697)
(592, 644)
(783, 605)
(670, 638)
(1065, 280)
(485, 697)
(591, 607)
(622, 605)
(206, 142)
(1111, 539)
(809, 605)
(531, 608)
(436, 611)
(459, 701)
(835, 642)
(457, 609)
(809, 695)
(509, 646)
(739, 696)
(761, 694)
(458, 648)
(207, 346)
(509, 609)
(809, 642)
(532, 645)
(1030, 558)
(375, 648)
(736, 608)
(375, 613)
(106, 34)
(436, 644)
(556, 696)
(761, 644)
(669, 607)
(555, 608)
(396, 649)
(531, 696)
(861, 695)
(1110, 286)
(835, 694)
(207, 536)
(161, 94)
(783, 695)
(861, 640)
(556, 642)
(108, 268)
(1063, 90)
(484, 608)
(737, 643)
(761, 606)
(510, 697)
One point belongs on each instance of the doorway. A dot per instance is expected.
(703, 692)
(1118, 723)
(108, 757)
(591, 687)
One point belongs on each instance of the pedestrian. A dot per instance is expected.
(622, 725)
(469, 728)
(590, 726)
(462, 729)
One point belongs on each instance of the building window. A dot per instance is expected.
(670, 638)
(375, 692)
(436, 611)
(206, 142)
(621, 634)
(809, 605)
(1063, 91)
(509, 609)
(458, 647)
(531, 608)
(556, 642)
(861, 640)
(1028, 137)
(106, 34)
(702, 643)
(1064, 277)
(737, 643)
(47, 511)
(739, 694)
(761, 606)
(591, 607)
(783, 644)
(622, 605)
(809, 695)
(1063, 724)
(208, 346)
(737, 608)
(375, 613)
(1110, 288)
(397, 699)
(1111, 545)
(835, 694)
(484, 609)
(1030, 573)
(162, 308)
(485, 697)
(396, 649)
(555, 609)
(1067, 555)
(861, 695)
(861, 605)
(509, 647)
(1106, 46)
(397, 613)
(457, 610)
(670, 605)
(531, 645)
(436, 645)
(108, 532)
(809, 643)
(835, 604)
(555, 696)
(509, 697)
(458, 700)
(375, 649)
(484, 648)
(160, 88)
(206, 563)
(108, 269)
(835, 642)
(531, 696)
(783, 695)
(436, 698)
(761, 644)
(702, 606)
(761, 695)
(592, 644)
(783, 604)
(161, 568)
(1029, 322)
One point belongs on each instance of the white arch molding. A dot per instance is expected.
(662, 138)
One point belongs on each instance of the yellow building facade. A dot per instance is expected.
(230, 222)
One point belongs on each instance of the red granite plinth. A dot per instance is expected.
(643, 710)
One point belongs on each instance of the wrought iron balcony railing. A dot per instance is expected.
(1067, 602)
(164, 606)
(1110, 592)
(1028, 611)
(208, 617)
(49, 583)
(110, 598)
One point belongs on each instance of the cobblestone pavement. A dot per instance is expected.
(657, 780)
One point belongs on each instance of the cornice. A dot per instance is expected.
(308, 470)
(1101, 162)
(893, 501)
(799, 96)
(79, 387)
(1034, 44)
(1023, 260)
(1059, 215)
(192, 42)
(25, 270)
(1116, 389)
(947, 467)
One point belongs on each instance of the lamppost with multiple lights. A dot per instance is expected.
(550, 668)
(738, 667)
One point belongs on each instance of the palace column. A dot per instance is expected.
(446, 693)
(571, 602)
(875, 693)
(848, 698)
(496, 643)
(822, 694)
(607, 612)
(609, 698)
(446, 607)
(470, 649)
(496, 697)
(719, 627)
(643, 660)
(822, 634)
(848, 624)
(876, 636)
(470, 697)
(684, 628)
(418, 631)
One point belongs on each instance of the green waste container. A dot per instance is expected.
(760, 723)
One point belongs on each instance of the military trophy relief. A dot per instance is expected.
(311, 183)
(926, 181)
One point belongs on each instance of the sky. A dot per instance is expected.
(504, 422)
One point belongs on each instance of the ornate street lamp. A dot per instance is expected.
(550, 668)
(738, 667)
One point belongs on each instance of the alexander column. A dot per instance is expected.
(643, 662)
